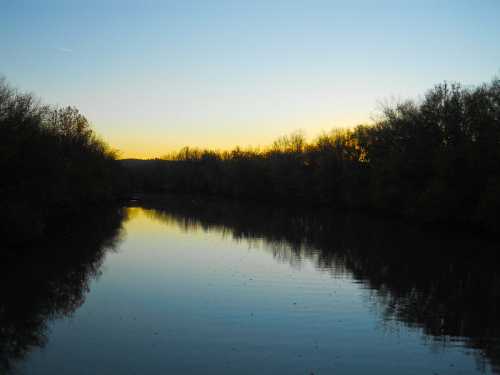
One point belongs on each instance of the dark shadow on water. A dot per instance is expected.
(50, 281)
(446, 284)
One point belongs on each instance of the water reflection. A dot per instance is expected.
(446, 285)
(168, 308)
(50, 281)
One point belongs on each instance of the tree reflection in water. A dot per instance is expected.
(447, 285)
(50, 281)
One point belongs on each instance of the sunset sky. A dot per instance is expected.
(153, 76)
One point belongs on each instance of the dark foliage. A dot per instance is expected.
(53, 166)
(433, 161)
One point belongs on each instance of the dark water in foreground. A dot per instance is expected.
(210, 288)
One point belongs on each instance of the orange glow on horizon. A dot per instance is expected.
(140, 146)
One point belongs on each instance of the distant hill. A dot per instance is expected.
(140, 163)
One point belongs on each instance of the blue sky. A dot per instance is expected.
(153, 76)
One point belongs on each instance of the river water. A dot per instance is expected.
(194, 287)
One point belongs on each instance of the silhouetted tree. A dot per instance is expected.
(433, 161)
(52, 164)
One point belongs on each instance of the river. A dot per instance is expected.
(187, 286)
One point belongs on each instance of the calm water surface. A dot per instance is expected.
(214, 290)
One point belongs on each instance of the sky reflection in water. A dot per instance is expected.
(213, 289)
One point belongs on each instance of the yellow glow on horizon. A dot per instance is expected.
(148, 146)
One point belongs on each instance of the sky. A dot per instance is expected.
(154, 76)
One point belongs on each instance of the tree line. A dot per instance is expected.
(53, 166)
(435, 160)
